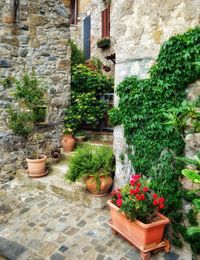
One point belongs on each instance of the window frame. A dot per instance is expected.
(105, 22)
(73, 12)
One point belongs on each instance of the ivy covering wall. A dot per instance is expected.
(143, 102)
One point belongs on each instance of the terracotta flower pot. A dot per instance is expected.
(145, 236)
(106, 182)
(67, 143)
(37, 167)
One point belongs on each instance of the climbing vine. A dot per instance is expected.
(141, 109)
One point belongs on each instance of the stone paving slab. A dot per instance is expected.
(37, 224)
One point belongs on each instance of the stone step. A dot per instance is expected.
(95, 143)
(55, 182)
(99, 136)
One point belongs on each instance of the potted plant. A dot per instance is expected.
(94, 166)
(68, 140)
(71, 124)
(135, 214)
(103, 43)
(25, 119)
(80, 136)
(56, 154)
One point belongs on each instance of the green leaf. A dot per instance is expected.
(193, 175)
(196, 202)
(191, 231)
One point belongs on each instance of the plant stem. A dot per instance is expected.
(37, 144)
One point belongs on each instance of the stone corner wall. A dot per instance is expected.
(38, 40)
(139, 28)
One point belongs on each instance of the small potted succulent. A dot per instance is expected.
(94, 166)
(135, 213)
(103, 43)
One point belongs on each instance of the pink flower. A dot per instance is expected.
(119, 202)
(113, 193)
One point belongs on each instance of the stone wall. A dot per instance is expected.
(138, 28)
(36, 41)
(93, 8)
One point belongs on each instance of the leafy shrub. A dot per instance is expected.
(86, 80)
(183, 118)
(86, 105)
(29, 94)
(90, 160)
(77, 55)
(85, 108)
(20, 122)
(114, 116)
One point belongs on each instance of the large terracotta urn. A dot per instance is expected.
(102, 189)
(68, 143)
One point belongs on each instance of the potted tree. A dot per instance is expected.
(135, 214)
(29, 93)
(94, 166)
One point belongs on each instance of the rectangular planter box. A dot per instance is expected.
(144, 236)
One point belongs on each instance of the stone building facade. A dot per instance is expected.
(92, 9)
(33, 35)
(138, 28)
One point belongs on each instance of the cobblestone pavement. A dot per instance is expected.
(36, 224)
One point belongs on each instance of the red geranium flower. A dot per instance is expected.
(138, 184)
(138, 197)
(142, 197)
(119, 195)
(132, 182)
(119, 202)
(155, 202)
(161, 206)
(161, 200)
(145, 189)
(135, 191)
(155, 196)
